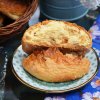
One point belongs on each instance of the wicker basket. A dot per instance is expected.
(19, 25)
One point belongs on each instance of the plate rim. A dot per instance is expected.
(55, 91)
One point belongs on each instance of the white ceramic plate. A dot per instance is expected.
(35, 83)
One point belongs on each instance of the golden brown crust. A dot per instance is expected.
(13, 8)
(52, 66)
(29, 43)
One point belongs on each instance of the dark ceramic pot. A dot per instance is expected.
(68, 10)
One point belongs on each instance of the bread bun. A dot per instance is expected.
(51, 33)
(13, 8)
(52, 66)
(57, 51)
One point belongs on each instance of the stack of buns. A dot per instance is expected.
(56, 51)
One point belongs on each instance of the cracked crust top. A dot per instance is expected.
(52, 66)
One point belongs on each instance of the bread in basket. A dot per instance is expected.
(19, 24)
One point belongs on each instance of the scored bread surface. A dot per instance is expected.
(51, 33)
